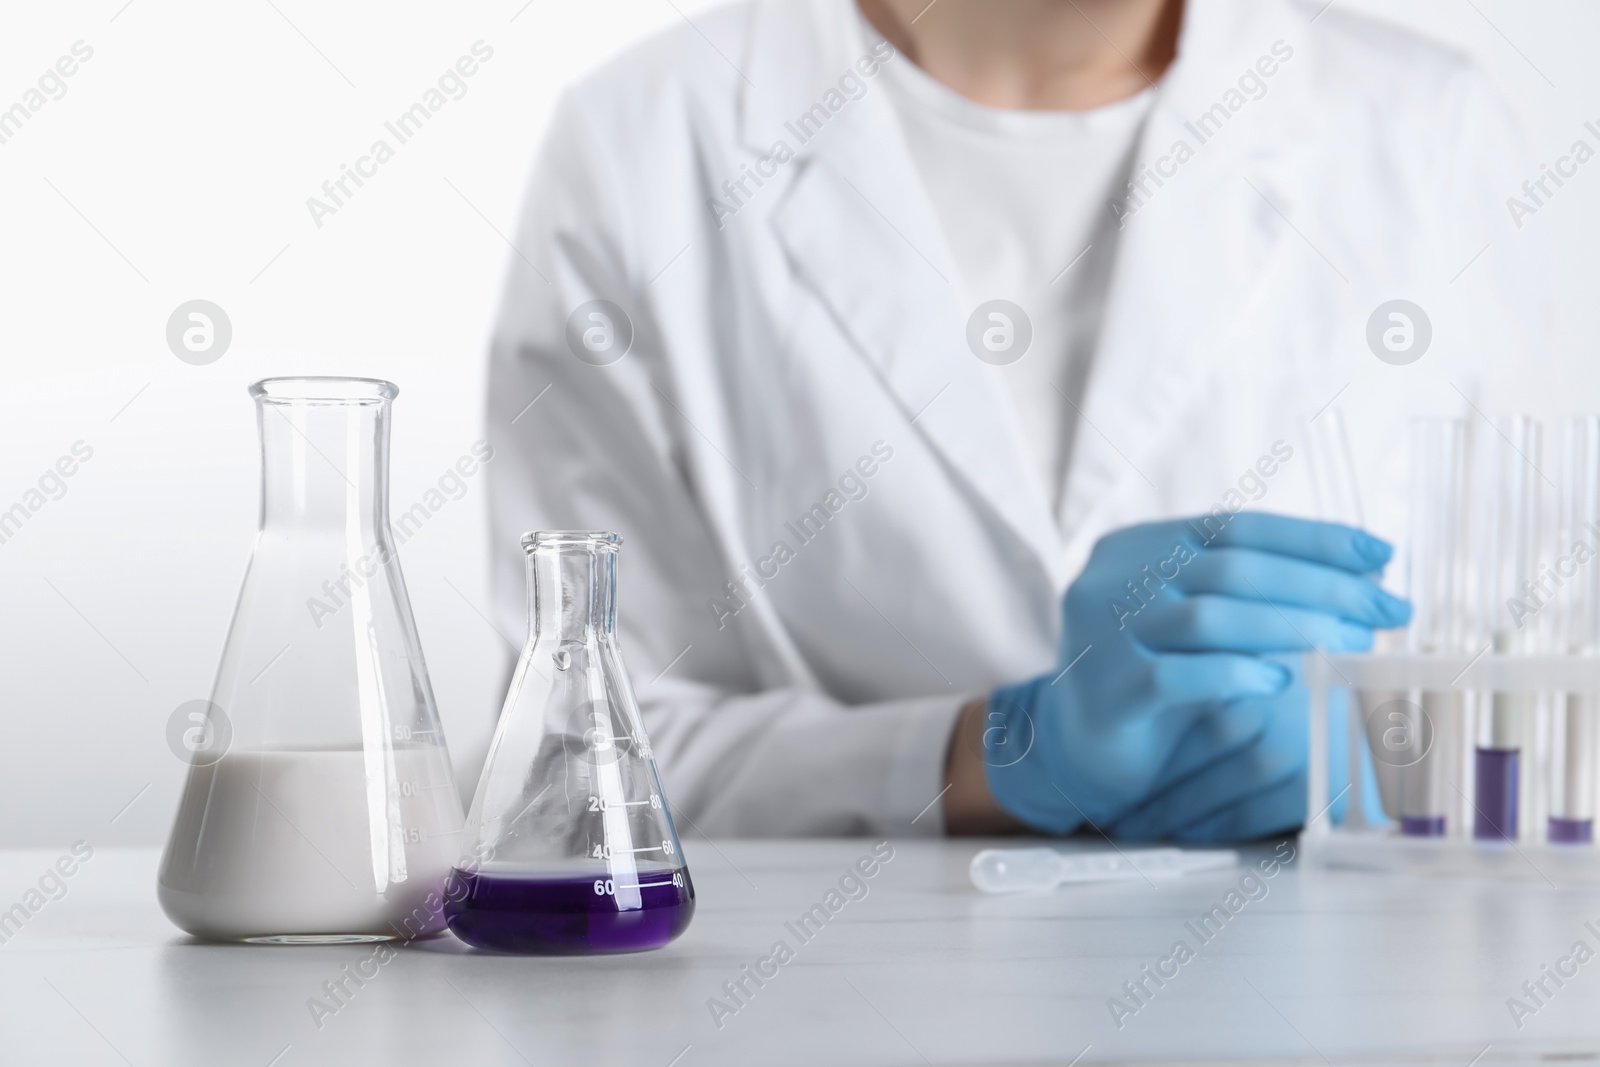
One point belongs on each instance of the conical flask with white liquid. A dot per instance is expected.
(320, 805)
(570, 845)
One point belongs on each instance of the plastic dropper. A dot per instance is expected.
(1039, 870)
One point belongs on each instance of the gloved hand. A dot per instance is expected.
(1257, 788)
(1238, 773)
(1165, 693)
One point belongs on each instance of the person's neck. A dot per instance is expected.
(1054, 55)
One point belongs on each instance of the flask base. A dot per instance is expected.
(567, 915)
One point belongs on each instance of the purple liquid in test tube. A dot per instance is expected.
(566, 915)
(1496, 771)
(1571, 831)
(1422, 825)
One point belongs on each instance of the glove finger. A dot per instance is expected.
(1272, 811)
(1279, 755)
(1270, 806)
(1319, 542)
(1228, 624)
(1193, 680)
(1147, 540)
(1252, 574)
(1214, 735)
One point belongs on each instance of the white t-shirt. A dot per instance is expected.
(1024, 198)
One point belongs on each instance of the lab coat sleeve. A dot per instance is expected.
(746, 746)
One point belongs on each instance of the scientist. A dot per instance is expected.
(943, 367)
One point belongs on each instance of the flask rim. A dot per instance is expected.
(599, 539)
(323, 389)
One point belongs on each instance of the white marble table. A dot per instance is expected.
(1325, 967)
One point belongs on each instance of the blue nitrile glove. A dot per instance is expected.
(1163, 671)
(1257, 789)
(1256, 786)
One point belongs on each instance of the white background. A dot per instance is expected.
(177, 166)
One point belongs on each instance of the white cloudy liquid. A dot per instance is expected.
(298, 843)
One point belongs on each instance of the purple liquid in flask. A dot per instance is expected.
(568, 915)
(571, 849)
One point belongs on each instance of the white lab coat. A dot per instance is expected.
(814, 333)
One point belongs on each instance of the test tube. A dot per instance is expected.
(1338, 497)
(1577, 623)
(1333, 470)
(1515, 478)
(1433, 581)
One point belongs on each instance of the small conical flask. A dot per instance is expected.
(571, 848)
(321, 806)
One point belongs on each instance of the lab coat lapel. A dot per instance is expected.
(861, 234)
(1194, 257)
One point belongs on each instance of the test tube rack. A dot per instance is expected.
(1369, 684)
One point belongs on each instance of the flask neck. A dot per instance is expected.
(325, 465)
(572, 591)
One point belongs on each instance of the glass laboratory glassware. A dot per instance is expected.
(570, 845)
(1338, 496)
(332, 814)
(1512, 524)
(1434, 585)
(1576, 734)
